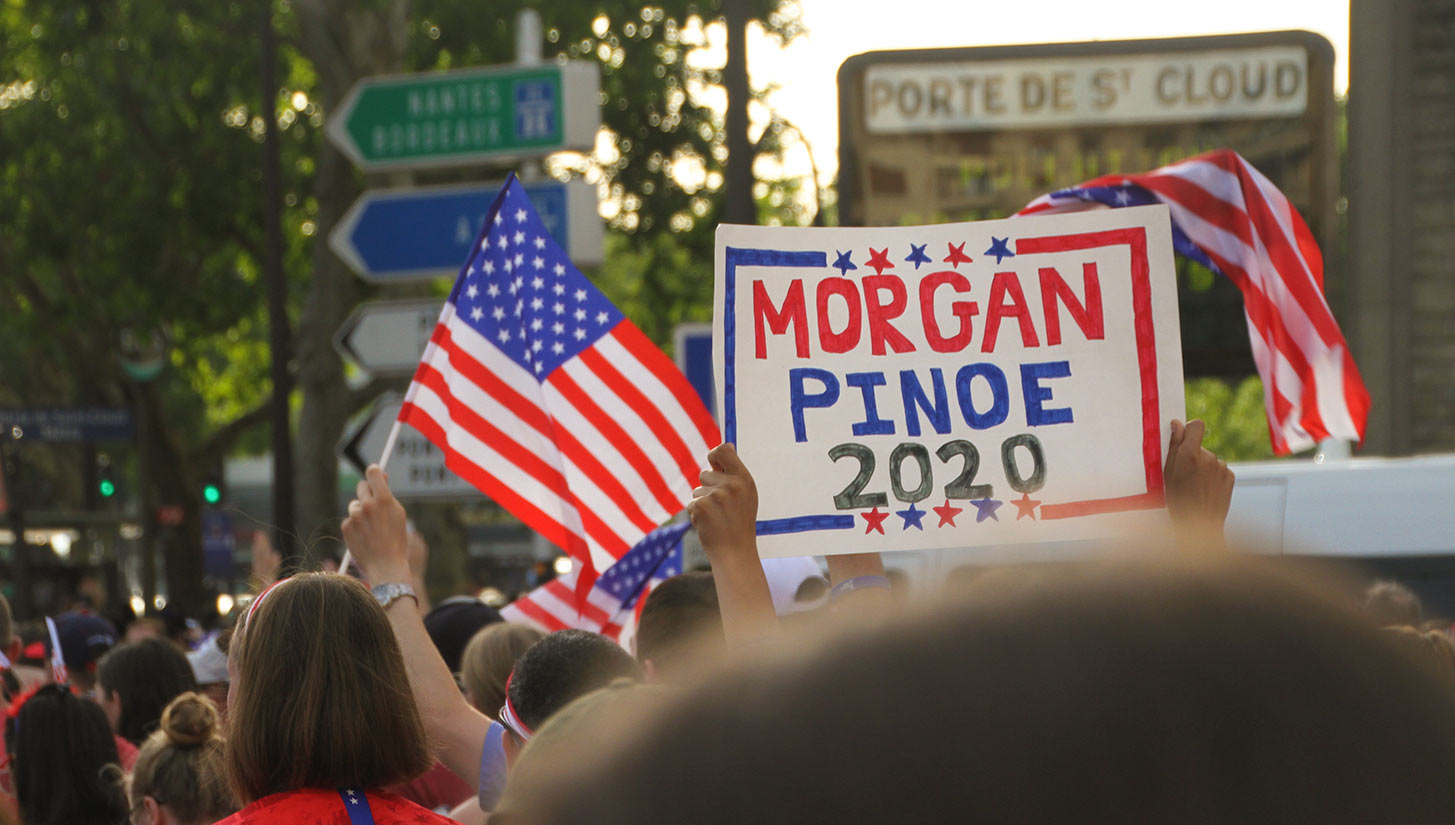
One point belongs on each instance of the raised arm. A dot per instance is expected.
(725, 511)
(375, 532)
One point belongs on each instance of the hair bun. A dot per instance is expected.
(190, 720)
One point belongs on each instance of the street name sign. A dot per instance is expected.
(436, 119)
(392, 235)
(68, 424)
(387, 337)
(416, 467)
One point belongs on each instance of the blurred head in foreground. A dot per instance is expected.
(1215, 692)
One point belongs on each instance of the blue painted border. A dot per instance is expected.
(805, 524)
(736, 256)
(748, 257)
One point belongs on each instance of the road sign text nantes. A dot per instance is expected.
(391, 235)
(436, 119)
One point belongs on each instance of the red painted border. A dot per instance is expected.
(1136, 240)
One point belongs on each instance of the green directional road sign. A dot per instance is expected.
(436, 119)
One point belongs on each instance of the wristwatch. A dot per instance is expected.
(386, 593)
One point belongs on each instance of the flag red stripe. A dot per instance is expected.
(534, 611)
(643, 406)
(497, 489)
(1300, 275)
(659, 365)
(590, 466)
(508, 447)
(618, 438)
(489, 383)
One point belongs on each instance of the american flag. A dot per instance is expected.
(615, 600)
(544, 397)
(1229, 217)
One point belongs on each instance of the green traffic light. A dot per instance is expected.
(108, 489)
(211, 494)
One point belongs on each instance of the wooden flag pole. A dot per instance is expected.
(343, 567)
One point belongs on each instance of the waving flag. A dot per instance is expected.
(1230, 218)
(616, 599)
(543, 396)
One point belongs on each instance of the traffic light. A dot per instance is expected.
(211, 493)
(105, 484)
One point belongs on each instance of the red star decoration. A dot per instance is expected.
(879, 259)
(1025, 506)
(947, 514)
(957, 255)
(876, 521)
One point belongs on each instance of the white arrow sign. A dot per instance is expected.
(388, 337)
(416, 467)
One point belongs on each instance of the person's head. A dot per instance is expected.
(680, 626)
(179, 777)
(63, 761)
(488, 660)
(85, 638)
(136, 680)
(454, 622)
(1130, 694)
(319, 697)
(555, 670)
(1391, 604)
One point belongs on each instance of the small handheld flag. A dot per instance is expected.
(617, 596)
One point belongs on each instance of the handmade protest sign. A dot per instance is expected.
(958, 385)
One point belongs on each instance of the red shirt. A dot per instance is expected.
(319, 806)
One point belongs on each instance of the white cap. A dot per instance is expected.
(209, 663)
(785, 576)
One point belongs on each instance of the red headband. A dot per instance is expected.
(509, 718)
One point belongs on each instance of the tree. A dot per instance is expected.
(130, 161)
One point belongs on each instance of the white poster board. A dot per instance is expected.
(958, 385)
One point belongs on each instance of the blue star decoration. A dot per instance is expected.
(843, 264)
(985, 508)
(999, 248)
(911, 517)
(917, 255)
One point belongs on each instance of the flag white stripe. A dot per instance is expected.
(475, 451)
(663, 468)
(657, 393)
(605, 450)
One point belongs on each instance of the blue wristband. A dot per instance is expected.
(858, 583)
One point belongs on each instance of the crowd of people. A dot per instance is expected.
(1184, 683)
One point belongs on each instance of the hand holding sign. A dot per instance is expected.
(724, 510)
(1199, 484)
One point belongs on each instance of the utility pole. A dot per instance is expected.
(738, 206)
(279, 343)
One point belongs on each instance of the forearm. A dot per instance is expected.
(455, 729)
(744, 599)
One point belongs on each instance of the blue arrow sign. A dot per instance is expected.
(405, 234)
(693, 346)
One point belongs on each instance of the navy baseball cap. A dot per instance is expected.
(85, 637)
